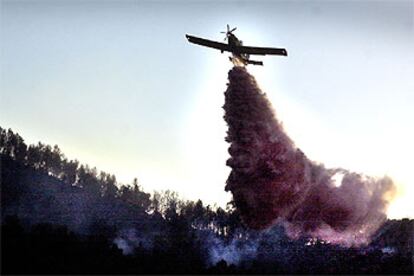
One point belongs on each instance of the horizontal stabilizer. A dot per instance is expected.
(255, 62)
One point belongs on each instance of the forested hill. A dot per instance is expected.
(39, 184)
(58, 211)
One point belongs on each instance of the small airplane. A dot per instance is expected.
(241, 54)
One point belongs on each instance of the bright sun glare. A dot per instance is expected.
(201, 171)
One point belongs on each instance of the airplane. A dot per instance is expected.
(241, 54)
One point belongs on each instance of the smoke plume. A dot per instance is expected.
(273, 181)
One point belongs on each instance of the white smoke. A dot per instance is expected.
(129, 239)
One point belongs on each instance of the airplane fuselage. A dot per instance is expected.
(234, 42)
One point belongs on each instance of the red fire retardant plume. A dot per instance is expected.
(273, 181)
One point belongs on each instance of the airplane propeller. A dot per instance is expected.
(228, 32)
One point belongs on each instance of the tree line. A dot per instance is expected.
(50, 160)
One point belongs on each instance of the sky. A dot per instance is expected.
(117, 86)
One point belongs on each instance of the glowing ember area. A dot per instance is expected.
(273, 180)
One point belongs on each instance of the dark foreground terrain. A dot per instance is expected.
(61, 217)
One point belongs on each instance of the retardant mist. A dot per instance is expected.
(272, 181)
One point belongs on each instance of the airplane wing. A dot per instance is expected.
(261, 51)
(208, 43)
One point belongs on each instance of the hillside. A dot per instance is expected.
(56, 211)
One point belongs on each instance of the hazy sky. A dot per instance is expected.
(116, 85)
